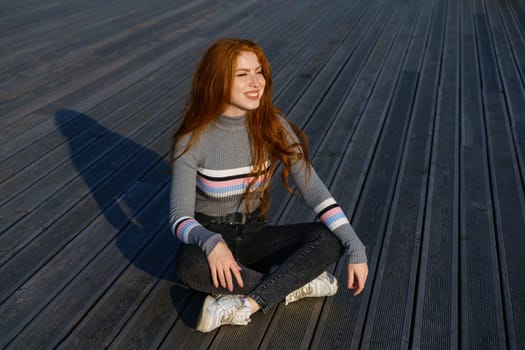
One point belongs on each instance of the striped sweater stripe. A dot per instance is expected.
(183, 226)
(331, 214)
(226, 183)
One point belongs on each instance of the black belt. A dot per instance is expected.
(230, 219)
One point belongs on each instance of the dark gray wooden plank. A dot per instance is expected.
(519, 16)
(391, 294)
(513, 70)
(482, 316)
(441, 248)
(505, 176)
(509, 211)
(396, 276)
(425, 112)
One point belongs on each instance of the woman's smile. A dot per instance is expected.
(253, 95)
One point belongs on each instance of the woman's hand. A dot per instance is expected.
(357, 274)
(222, 266)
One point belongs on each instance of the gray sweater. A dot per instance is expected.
(212, 176)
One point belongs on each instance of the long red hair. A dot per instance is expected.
(209, 97)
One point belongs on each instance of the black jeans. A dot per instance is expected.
(296, 254)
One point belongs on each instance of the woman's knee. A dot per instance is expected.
(331, 244)
(190, 264)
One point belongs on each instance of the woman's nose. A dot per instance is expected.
(254, 81)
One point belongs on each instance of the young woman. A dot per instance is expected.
(225, 152)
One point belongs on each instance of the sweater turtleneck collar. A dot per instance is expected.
(231, 123)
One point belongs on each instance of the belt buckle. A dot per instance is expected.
(238, 219)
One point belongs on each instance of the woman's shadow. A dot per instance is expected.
(130, 184)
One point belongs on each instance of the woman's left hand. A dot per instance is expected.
(357, 274)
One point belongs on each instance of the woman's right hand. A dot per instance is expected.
(222, 266)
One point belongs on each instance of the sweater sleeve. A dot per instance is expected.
(326, 208)
(182, 202)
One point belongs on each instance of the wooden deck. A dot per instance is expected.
(415, 110)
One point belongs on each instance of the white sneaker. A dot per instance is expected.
(324, 285)
(221, 310)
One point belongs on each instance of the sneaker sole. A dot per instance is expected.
(201, 327)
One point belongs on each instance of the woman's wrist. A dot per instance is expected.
(356, 256)
(211, 242)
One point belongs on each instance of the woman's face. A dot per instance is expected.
(248, 85)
